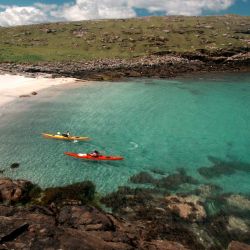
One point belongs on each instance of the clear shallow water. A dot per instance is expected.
(163, 124)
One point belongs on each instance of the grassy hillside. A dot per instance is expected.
(128, 38)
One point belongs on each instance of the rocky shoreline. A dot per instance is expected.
(71, 218)
(164, 65)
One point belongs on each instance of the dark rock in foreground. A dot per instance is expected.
(72, 227)
(63, 218)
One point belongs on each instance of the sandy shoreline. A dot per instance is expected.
(13, 86)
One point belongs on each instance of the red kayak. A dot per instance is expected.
(95, 158)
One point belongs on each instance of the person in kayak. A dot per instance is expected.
(95, 153)
(67, 134)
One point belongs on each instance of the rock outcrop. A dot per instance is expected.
(73, 227)
(14, 191)
(62, 218)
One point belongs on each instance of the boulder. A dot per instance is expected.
(13, 191)
(187, 208)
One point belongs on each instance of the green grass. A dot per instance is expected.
(125, 39)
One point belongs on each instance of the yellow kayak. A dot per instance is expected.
(67, 138)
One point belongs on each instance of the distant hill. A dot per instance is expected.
(124, 38)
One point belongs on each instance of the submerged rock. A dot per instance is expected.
(14, 165)
(208, 190)
(142, 178)
(187, 208)
(173, 181)
(222, 167)
(157, 171)
(216, 171)
(170, 182)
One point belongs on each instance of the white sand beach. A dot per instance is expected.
(13, 86)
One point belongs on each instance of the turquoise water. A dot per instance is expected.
(163, 124)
